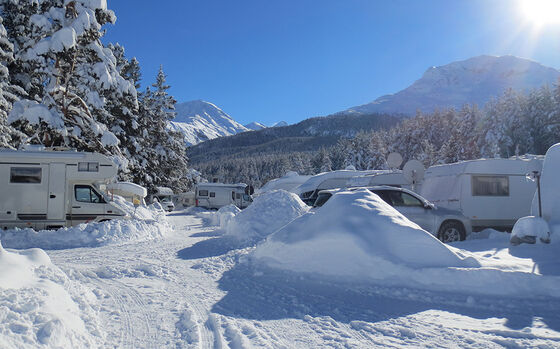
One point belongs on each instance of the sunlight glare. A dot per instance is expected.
(541, 12)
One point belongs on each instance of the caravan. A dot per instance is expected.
(216, 195)
(492, 193)
(53, 189)
(163, 196)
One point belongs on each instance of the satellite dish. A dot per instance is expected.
(534, 166)
(394, 160)
(413, 171)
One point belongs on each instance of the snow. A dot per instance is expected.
(288, 182)
(226, 214)
(550, 187)
(193, 288)
(355, 234)
(533, 228)
(63, 39)
(255, 126)
(147, 224)
(268, 213)
(34, 113)
(331, 180)
(200, 121)
(129, 188)
(40, 306)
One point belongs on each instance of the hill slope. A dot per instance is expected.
(472, 81)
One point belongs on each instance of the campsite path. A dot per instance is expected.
(191, 289)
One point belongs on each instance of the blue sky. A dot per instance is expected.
(267, 61)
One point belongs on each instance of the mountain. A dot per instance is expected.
(200, 121)
(280, 124)
(308, 135)
(474, 80)
(255, 126)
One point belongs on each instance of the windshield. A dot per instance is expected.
(165, 199)
(321, 199)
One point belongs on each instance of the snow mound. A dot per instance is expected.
(550, 186)
(225, 215)
(528, 229)
(355, 234)
(40, 306)
(268, 213)
(85, 235)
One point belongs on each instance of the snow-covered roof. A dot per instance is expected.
(43, 156)
(163, 191)
(512, 166)
(128, 188)
(288, 182)
(331, 180)
(384, 177)
(236, 185)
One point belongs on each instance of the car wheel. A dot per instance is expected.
(451, 231)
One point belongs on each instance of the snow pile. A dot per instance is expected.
(225, 215)
(268, 213)
(356, 234)
(357, 237)
(331, 180)
(148, 224)
(550, 186)
(528, 229)
(40, 306)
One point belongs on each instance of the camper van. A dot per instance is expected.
(216, 195)
(54, 189)
(186, 199)
(164, 196)
(492, 193)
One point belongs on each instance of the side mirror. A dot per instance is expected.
(428, 206)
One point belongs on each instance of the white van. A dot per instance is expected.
(53, 189)
(216, 195)
(164, 196)
(492, 193)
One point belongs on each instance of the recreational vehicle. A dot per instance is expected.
(492, 193)
(216, 195)
(185, 199)
(164, 196)
(394, 179)
(328, 180)
(129, 191)
(53, 189)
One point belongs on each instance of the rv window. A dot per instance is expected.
(88, 166)
(237, 196)
(203, 193)
(490, 185)
(212, 194)
(25, 175)
(85, 193)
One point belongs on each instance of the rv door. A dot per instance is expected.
(57, 189)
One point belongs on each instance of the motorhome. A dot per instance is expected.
(308, 190)
(288, 182)
(390, 178)
(492, 193)
(216, 195)
(53, 189)
(129, 191)
(164, 196)
(185, 199)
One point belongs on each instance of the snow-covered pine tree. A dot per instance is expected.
(166, 160)
(9, 93)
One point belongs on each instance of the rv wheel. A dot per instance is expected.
(451, 231)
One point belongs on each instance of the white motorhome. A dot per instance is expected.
(308, 190)
(164, 196)
(390, 178)
(492, 193)
(185, 199)
(129, 191)
(53, 189)
(216, 195)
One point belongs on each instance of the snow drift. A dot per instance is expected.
(268, 213)
(357, 237)
(40, 306)
(148, 224)
(550, 187)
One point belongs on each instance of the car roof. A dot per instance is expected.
(375, 187)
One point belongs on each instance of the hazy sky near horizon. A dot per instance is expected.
(268, 61)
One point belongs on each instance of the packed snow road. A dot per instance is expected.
(191, 288)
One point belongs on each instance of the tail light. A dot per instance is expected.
(197, 202)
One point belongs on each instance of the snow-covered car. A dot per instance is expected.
(447, 225)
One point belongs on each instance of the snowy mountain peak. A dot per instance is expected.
(474, 80)
(199, 121)
(255, 126)
(280, 124)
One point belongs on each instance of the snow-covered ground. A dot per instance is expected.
(187, 287)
